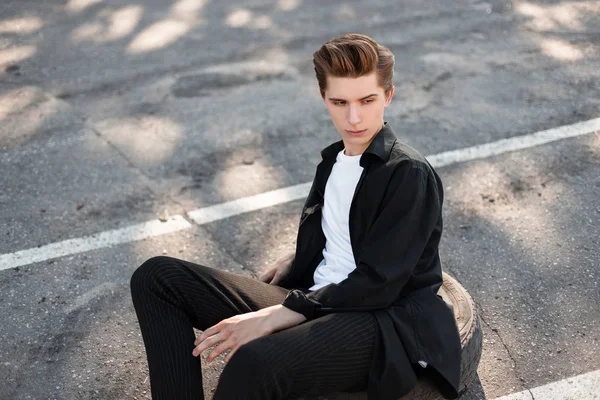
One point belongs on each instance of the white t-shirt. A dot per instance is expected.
(338, 258)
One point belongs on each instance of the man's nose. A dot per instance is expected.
(354, 115)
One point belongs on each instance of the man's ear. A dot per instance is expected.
(390, 95)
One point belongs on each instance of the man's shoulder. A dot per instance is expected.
(408, 166)
(403, 156)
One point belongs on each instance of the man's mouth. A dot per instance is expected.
(356, 133)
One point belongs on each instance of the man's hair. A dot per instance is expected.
(353, 55)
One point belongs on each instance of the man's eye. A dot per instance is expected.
(339, 103)
(368, 101)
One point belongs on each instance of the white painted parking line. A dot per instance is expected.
(103, 239)
(272, 198)
(514, 143)
(580, 387)
(250, 203)
(279, 196)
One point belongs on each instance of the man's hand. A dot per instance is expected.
(280, 270)
(240, 329)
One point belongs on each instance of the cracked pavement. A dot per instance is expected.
(114, 111)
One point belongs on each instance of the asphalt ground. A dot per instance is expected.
(113, 112)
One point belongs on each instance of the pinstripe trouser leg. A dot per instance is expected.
(170, 296)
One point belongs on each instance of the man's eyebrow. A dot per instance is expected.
(363, 98)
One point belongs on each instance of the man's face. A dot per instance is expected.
(356, 107)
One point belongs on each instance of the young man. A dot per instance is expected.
(355, 307)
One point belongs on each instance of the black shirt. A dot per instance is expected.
(395, 226)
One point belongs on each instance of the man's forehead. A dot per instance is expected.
(353, 88)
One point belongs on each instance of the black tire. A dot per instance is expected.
(471, 336)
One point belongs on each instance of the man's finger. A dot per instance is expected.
(267, 276)
(275, 279)
(218, 350)
(205, 344)
(213, 330)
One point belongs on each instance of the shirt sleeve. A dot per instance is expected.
(390, 251)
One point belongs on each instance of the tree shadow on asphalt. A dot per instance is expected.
(462, 87)
(521, 236)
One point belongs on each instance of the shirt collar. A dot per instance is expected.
(381, 146)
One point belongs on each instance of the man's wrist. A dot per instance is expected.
(281, 317)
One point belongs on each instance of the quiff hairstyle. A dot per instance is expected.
(353, 55)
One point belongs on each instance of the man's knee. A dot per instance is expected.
(148, 271)
(252, 373)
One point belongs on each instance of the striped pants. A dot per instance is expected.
(325, 355)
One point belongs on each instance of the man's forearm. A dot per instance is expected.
(281, 317)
